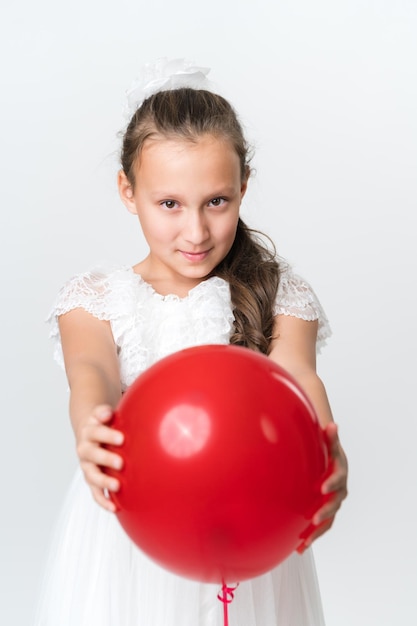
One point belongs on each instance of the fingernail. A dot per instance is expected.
(118, 439)
(304, 547)
(118, 464)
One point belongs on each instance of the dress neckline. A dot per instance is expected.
(171, 297)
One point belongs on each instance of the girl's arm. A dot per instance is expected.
(294, 349)
(93, 375)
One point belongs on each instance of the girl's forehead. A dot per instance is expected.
(207, 146)
(207, 160)
(180, 141)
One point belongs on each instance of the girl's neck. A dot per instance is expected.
(166, 285)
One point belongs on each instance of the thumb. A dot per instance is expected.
(331, 435)
(103, 413)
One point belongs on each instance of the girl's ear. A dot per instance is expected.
(243, 188)
(126, 192)
(244, 185)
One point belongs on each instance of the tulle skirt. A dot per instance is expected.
(96, 576)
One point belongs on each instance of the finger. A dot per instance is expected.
(103, 413)
(332, 439)
(334, 483)
(98, 479)
(99, 456)
(327, 511)
(320, 530)
(102, 434)
(103, 500)
(332, 431)
(336, 475)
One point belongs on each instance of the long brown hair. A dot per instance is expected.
(250, 267)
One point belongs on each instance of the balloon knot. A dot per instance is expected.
(226, 595)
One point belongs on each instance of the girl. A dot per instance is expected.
(206, 279)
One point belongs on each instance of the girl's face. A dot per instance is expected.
(187, 197)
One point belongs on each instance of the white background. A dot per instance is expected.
(327, 93)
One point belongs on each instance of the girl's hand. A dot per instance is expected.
(93, 456)
(334, 488)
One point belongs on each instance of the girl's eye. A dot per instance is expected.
(217, 202)
(169, 204)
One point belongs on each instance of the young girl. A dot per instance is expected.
(206, 279)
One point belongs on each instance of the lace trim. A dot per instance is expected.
(296, 298)
(147, 326)
(91, 291)
(160, 325)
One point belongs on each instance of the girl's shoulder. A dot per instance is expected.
(297, 298)
(102, 292)
(97, 291)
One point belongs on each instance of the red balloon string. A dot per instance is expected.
(226, 596)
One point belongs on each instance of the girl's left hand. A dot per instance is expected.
(334, 488)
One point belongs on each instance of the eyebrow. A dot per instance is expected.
(224, 191)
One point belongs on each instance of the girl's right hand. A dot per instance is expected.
(91, 437)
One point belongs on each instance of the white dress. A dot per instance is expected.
(95, 575)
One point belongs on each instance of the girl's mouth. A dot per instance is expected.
(195, 256)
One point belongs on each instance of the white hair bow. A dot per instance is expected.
(165, 74)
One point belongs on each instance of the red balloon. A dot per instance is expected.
(223, 461)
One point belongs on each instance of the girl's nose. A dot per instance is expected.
(195, 229)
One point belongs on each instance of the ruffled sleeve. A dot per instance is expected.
(91, 291)
(296, 297)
